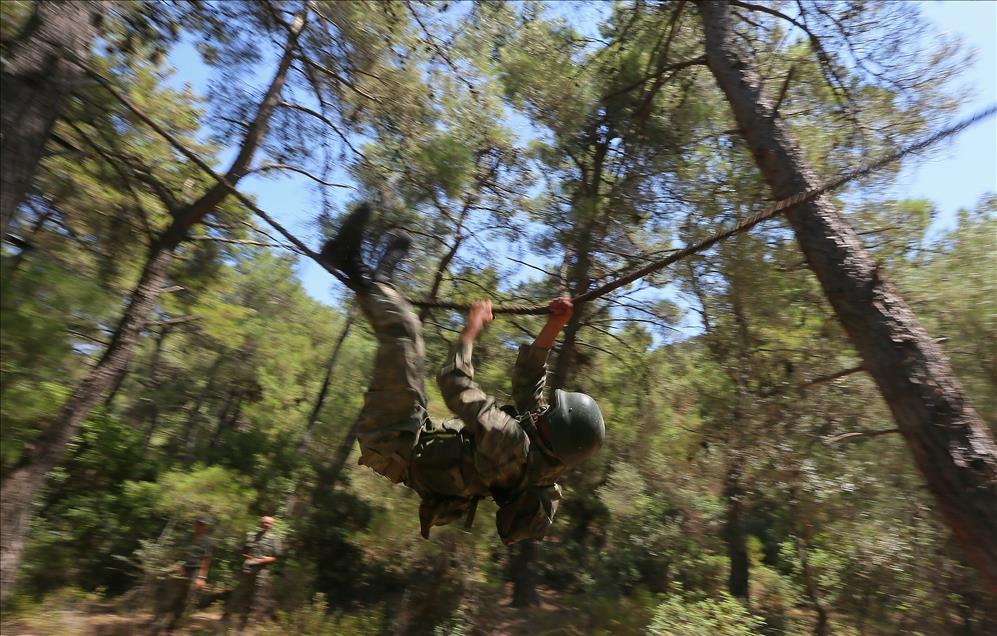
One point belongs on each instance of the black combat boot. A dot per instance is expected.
(343, 251)
(397, 249)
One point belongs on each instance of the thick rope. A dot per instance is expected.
(746, 224)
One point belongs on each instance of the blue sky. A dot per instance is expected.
(958, 173)
(954, 175)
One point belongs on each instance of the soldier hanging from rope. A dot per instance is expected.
(513, 454)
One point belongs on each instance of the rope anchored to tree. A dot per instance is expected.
(746, 224)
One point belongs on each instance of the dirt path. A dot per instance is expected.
(78, 622)
(491, 615)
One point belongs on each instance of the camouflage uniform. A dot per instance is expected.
(488, 452)
(177, 593)
(252, 593)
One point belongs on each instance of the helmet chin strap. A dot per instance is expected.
(532, 425)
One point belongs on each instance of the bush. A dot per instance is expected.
(314, 620)
(684, 616)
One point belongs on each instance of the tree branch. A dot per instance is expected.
(328, 122)
(857, 435)
(697, 61)
(221, 239)
(267, 167)
(783, 90)
(339, 78)
(833, 376)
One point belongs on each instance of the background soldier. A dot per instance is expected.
(252, 593)
(179, 590)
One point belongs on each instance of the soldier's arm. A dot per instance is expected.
(462, 394)
(529, 374)
(465, 398)
(529, 377)
(274, 553)
(202, 571)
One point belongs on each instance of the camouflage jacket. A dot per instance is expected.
(488, 452)
(260, 544)
(198, 549)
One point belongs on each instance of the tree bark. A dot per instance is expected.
(185, 441)
(736, 532)
(581, 280)
(342, 454)
(949, 442)
(36, 77)
(20, 489)
(822, 627)
(152, 390)
(524, 576)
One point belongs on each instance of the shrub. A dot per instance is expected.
(681, 615)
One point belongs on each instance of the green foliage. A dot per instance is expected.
(314, 619)
(212, 491)
(687, 616)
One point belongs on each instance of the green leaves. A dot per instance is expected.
(688, 616)
(212, 491)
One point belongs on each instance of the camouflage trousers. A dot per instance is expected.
(174, 597)
(394, 410)
(252, 596)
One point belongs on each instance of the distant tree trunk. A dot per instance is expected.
(567, 351)
(524, 576)
(186, 436)
(306, 435)
(155, 382)
(949, 442)
(738, 584)
(21, 487)
(736, 532)
(227, 420)
(580, 280)
(343, 453)
(822, 628)
(36, 77)
(441, 267)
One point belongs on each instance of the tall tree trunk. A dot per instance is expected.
(522, 568)
(568, 351)
(21, 487)
(524, 577)
(949, 442)
(306, 435)
(342, 454)
(735, 531)
(185, 440)
(36, 77)
(581, 280)
(155, 383)
(228, 420)
(738, 583)
(822, 628)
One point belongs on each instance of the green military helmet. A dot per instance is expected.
(572, 428)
